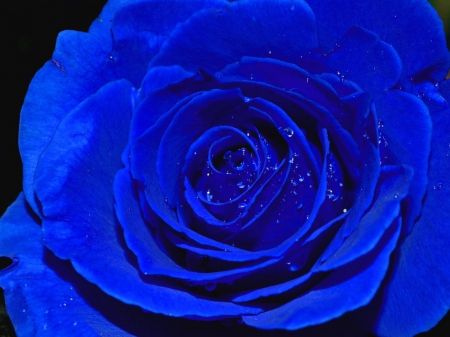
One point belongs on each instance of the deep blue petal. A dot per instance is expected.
(212, 39)
(79, 67)
(392, 189)
(44, 296)
(289, 289)
(362, 58)
(102, 26)
(350, 287)
(420, 280)
(160, 77)
(91, 145)
(140, 28)
(405, 129)
(366, 134)
(412, 27)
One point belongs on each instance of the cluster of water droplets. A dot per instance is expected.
(382, 143)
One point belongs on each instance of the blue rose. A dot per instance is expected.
(235, 167)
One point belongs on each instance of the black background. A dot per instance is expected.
(28, 31)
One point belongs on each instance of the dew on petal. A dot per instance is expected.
(288, 131)
(293, 267)
(438, 186)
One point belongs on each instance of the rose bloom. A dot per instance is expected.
(259, 168)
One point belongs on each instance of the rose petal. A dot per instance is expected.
(406, 146)
(79, 67)
(139, 28)
(421, 273)
(352, 287)
(366, 60)
(34, 309)
(243, 28)
(423, 51)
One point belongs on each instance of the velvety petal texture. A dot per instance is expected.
(242, 167)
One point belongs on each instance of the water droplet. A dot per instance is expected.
(240, 184)
(308, 173)
(209, 196)
(270, 52)
(438, 186)
(300, 205)
(45, 326)
(292, 8)
(288, 131)
(252, 76)
(242, 205)
(247, 99)
(293, 267)
(24, 310)
(344, 210)
(301, 179)
(374, 68)
(74, 323)
(291, 160)
(341, 184)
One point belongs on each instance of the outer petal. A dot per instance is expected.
(212, 39)
(140, 27)
(361, 57)
(405, 129)
(420, 272)
(412, 27)
(102, 26)
(33, 308)
(80, 66)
